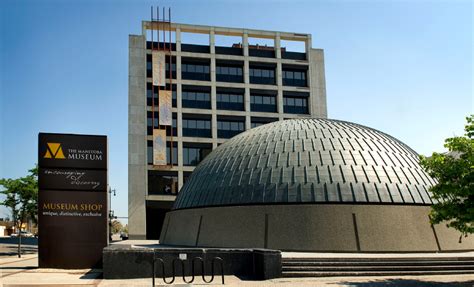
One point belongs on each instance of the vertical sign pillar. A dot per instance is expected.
(72, 200)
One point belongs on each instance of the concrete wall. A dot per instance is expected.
(137, 174)
(324, 227)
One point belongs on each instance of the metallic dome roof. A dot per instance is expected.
(308, 161)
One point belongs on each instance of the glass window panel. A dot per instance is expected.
(289, 75)
(265, 73)
(199, 69)
(191, 69)
(208, 125)
(258, 73)
(234, 126)
(219, 125)
(266, 100)
(297, 75)
(218, 70)
(191, 124)
(252, 99)
(291, 102)
(298, 102)
(225, 125)
(272, 74)
(251, 72)
(186, 155)
(200, 124)
(225, 70)
(206, 69)
(239, 71)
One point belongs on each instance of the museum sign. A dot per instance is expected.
(72, 203)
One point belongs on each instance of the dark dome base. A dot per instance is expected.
(313, 227)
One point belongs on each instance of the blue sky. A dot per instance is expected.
(403, 67)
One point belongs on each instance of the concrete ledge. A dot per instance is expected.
(128, 261)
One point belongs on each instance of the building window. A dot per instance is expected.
(228, 129)
(295, 105)
(229, 74)
(170, 160)
(230, 101)
(149, 67)
(173, 71)
(197, 128)
(197, 100)
(294, 78)
(162, 182)
(150, 101)
(195, 71)
(170, 130)
(192, 155)
(256, 122)
(263, 103)
(262, 76)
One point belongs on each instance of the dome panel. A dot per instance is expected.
(308, 161)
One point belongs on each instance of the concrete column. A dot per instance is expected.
(137, 144)
(245, 43)
(277, 45)
(245, 47)
(212, 46)
(279, 75)
(317, 81)
(178, 39)
(308, 47)
(180, 177)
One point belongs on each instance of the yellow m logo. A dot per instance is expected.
(55, 151)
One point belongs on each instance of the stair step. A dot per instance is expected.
(376, 268)
(376, 263)
(375, 259)
(373, 273)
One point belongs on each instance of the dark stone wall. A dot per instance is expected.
(125, 261)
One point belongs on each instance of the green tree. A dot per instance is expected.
(454, 172)
(116, 226)
(21, 197)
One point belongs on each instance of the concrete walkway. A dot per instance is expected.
(16, 272)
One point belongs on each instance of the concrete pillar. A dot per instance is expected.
(212, 45)
(137, 144)
(277, 45)
(245, 46)
(178, 39)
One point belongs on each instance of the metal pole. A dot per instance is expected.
(19, 243)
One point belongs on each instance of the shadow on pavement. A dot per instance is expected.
(93, 274)
(405, 283)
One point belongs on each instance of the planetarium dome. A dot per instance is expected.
(309, 185)
(308, 160)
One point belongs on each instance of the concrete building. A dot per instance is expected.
(218, 92)
(310, 185)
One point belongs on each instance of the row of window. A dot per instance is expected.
(201, 72)
(232, 101)
(233, 71)
(262, 73)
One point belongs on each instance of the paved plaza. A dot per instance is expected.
(24, 271)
